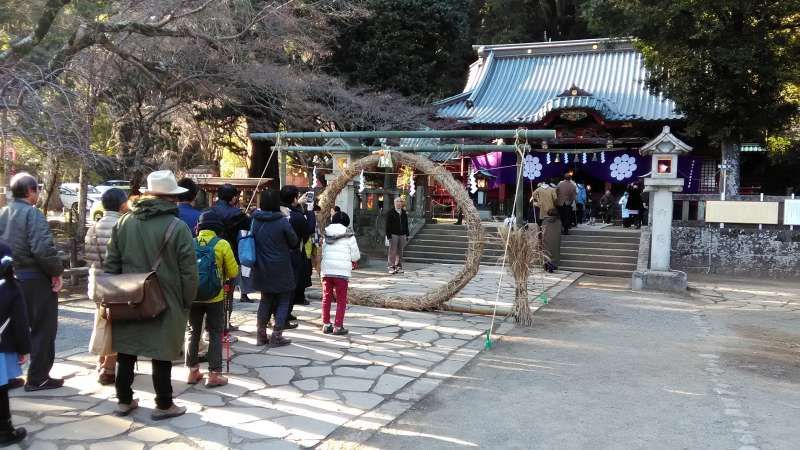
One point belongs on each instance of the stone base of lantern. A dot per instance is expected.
(657, 280)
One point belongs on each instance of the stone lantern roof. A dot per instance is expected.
(665, 143)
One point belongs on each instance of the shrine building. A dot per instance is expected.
(593, 93)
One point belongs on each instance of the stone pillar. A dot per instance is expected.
(658, 276)
(661, 242)
(347, 198)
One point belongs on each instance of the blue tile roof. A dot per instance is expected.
(521, 83)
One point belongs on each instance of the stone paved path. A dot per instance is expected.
(478, 296)
(288, 397)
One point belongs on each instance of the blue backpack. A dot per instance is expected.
(209, 283)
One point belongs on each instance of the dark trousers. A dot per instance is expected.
(605, 214)
(579, 212)
(565, 211)
(329, 285)
(162, 383)
(298, 298)
(42, 305)
(275, 303)
(5, 411)
(214, 314)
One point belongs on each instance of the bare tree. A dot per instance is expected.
(177, 67)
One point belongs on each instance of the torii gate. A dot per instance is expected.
(521, 146)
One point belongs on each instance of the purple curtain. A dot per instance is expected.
(618, 167)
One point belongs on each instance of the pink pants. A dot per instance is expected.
(328, 286)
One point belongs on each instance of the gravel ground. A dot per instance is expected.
(607, 368)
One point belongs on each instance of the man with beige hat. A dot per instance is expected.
(149, 232)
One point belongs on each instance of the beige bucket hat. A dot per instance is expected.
(163, 182)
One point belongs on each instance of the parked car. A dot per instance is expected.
(68, 192)
(125, 185)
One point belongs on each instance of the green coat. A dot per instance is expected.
(135, 241)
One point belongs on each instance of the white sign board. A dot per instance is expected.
(791, 212)
(742, 212)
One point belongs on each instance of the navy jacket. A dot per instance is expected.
(235, 220)
(17, 336)
(275, 242)
(190, 215)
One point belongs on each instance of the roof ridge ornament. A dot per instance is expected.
(575, 91)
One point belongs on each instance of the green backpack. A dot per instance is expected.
(209, 283)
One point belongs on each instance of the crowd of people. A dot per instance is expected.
(573, 203)
(195, 256)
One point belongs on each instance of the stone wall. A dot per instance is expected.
(741, 252)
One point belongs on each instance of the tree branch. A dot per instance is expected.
(24, 46)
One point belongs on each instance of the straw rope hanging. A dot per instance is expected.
(435, 298)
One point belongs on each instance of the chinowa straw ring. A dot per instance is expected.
(435, 298)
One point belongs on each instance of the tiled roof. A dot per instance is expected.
(522, 83)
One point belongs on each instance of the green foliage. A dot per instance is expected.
(726, 63)
(229, 162)
(420, 48)
(514, 21)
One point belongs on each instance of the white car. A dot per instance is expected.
(69, 196)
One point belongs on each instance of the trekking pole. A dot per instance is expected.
(226, 341)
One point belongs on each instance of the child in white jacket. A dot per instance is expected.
(339, 255)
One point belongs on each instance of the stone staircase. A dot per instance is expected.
(447, 244)
(612, 253)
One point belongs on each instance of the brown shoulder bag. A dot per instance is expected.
(133, 296)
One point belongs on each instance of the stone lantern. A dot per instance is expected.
(661, 183)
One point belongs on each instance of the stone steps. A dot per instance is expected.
(447, 244)
(612, 253)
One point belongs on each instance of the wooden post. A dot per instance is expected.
(685, 210)
(282, 168)
(520, 192)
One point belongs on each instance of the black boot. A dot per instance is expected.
(262, 338)
(10, 435)
(277, 339)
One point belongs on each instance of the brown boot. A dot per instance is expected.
(215, 379)
(261, 334)
(277, 339)
(194, 375)
(107, 377)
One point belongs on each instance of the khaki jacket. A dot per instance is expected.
(545, 198)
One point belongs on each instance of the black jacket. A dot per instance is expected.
(17, 336)
(234, 220)
(396, 223)
(635, 202)
(303, 223)
(275, 244)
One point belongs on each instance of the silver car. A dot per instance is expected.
(68, 192)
